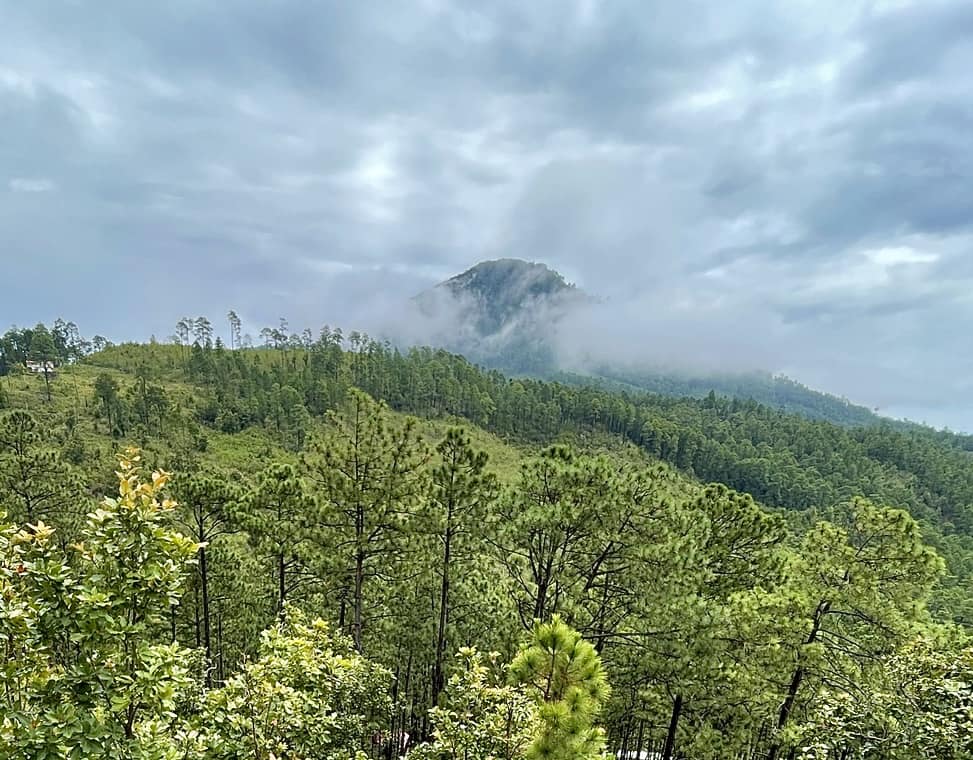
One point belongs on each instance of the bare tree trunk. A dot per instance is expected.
(670, 745)
(437, 673)
(796, 679)
(356, 625)
(204, 581)
(199, 638)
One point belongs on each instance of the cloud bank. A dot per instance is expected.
(782, 185)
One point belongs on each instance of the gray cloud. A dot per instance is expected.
(783, 185)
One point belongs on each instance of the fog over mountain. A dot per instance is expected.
(524, 318)
(503, 312)
(786, 187)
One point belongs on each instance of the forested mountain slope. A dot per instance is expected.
(518, 317)
(774, 391)
(790, 606)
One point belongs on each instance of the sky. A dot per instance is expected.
(782, 186)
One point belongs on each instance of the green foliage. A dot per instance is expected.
(854, 595)
(370, 476)
(707, 609)
(277, 513)
(919, 706)
(482, 718)
(460, 494)
(307, 695)
(563, 673)
(61, 343)
(35, 483)
(81, 676)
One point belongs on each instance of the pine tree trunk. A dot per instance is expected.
(796, 679)
(199, 638)
(356, 625)
(220, 671)
(437, 673)
(204, 580)
(670, 745)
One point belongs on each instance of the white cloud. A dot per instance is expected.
(31, 185)
(894, 256)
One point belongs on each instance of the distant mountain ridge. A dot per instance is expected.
(506, 314)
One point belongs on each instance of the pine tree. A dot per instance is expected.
(461, 493)
(564, 674)
(207, 503)
(369, 472)
(858, 586)
(35, 482)
(277, 513)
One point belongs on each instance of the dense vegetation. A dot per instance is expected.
(322, 575)
(774, 391)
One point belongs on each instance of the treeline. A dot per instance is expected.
(774, 391)
(784, 461)
(722, 633)
(61, 343)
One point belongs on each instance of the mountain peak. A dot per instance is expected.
(501, 311)
(510, 279)
(493, 295)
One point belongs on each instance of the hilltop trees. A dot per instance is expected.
(61, 343)
(369, 474)
(236, 326)
(42, 351)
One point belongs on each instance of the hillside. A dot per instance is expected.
(293, 480)
(774, 391)
(785, 461)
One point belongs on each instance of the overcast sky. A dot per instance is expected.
(778, 185)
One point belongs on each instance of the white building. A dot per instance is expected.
(39, 368)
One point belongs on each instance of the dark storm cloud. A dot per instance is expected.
(783, 185)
